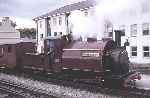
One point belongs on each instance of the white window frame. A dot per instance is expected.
(40, 24)
(55, 33)
(54, 21)
(42, 36)
(60, 20)
(133, 29)
(134, 51)
(145, 26)
(146, 51)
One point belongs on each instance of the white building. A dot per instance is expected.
(8, 33)
(137, 32)
(57, 23)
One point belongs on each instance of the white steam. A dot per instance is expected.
(114, 12)
(85, 26)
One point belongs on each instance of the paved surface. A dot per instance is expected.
(144, 83)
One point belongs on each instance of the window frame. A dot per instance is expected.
(60, 20)
(135, 51)
(145, 29)
(146, 51)
(133, 30)
(55, 33)
(86, 13)
(54, 21)
(40, 24)
(42, 36)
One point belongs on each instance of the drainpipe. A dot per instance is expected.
(37, 38)
(67, 22)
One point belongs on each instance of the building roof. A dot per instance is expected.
(69, 8)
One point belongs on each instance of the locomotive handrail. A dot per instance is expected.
(82, 49)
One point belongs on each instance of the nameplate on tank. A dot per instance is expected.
(90, 54)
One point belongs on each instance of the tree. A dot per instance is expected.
(28, 33)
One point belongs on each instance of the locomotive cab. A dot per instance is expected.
(116, 66)
(116, 61)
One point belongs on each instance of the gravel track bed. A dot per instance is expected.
(55, 90)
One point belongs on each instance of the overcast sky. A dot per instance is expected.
(22, 11)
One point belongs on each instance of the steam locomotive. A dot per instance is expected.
(92, 60)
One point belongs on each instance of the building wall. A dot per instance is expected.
(57, 27)
(41, 34)
(139, 41)
(8, 33)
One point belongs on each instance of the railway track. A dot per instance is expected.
(91, 87)
(13, 90)
(97, 88)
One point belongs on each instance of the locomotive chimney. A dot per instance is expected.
(118, 34)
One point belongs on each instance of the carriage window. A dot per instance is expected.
(1, 51)
(146, 51)
(145, 28)
(134, 30)
(134, 51)
(9, 48)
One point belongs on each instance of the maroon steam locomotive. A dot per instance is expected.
(101, 60)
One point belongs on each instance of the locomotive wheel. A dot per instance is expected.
(129, 83)
(113, 83)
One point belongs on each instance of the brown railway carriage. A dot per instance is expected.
(11, 53)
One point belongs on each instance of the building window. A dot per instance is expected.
(146, 51)
(54, 21)
(133, 51)
(40, 24)
(60, 33)
(55, 33)
(86, 13)
(60, 20)
(145, 28)
(49, 34)
(9, 48)
(122, 28)
(41, 36)
(134, 30)
(48, 27)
